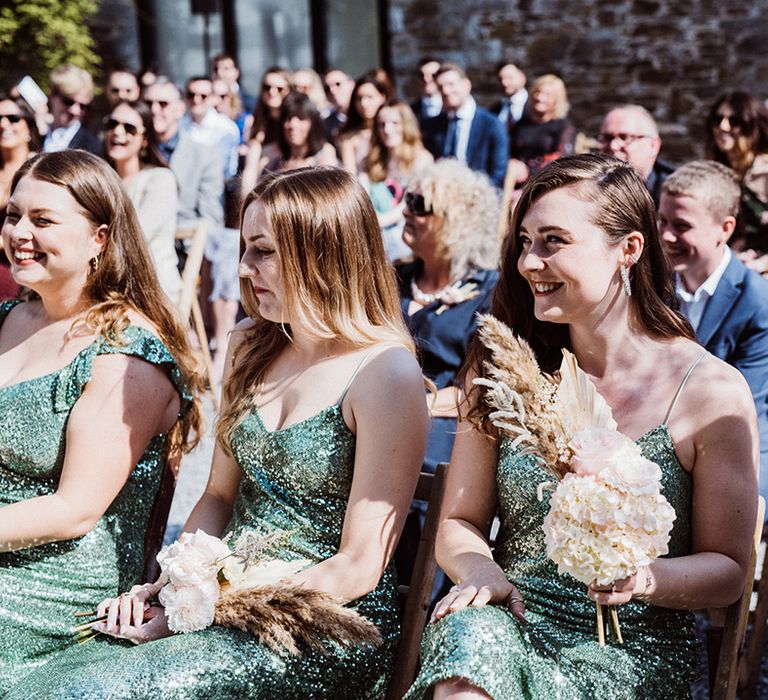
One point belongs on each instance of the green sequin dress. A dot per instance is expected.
(556, 655)
(40, 587)
(295, 479)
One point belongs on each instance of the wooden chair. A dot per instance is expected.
(189, 301)
(431, 488)
(724, 645)
(158, 518)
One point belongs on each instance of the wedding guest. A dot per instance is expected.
(224, 66)
(355, 136)
(583, 269)
(430, 103)
(131, 148)
(511, 107)
(322, 432)
(737, 136)
(19, 140)
(302, 139)
(451, 225)
(544, 133)
(266, 126)
(71, 94)
(309, 82)
(95, 382)
(397, 153)
(726, 303)
(122, 86)
(338, 86)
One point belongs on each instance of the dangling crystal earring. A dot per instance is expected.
(624, 272)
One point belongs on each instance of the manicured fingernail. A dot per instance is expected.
(122, 629)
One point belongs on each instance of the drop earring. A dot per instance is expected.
(624, 272)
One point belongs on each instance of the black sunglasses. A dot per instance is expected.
(130, 129)
(192, 96)
(12, 118)
(416, 205)
(734, 120)
(163, 104)
(69, 102)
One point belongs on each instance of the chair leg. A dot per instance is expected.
(754, 653)
(197, 320)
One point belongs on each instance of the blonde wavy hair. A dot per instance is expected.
(470, 208)
(124, 279)
(336, 278)
(561, 106)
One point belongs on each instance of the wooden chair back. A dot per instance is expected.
(189, 302)
(158, 518)
(430, 488)
(724, 646)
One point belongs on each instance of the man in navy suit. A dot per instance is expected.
(465, 131)
(726, 303)
(430, 104)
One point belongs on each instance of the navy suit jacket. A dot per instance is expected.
(86, 141)
(734, 327)
(488, 147)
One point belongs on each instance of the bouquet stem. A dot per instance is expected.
(600, 624)
(616, 628)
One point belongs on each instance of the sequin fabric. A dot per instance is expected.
(556, 655)
(40, 587)
(295, 479)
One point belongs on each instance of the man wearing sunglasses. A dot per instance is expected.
(71, 94)
(629, 133)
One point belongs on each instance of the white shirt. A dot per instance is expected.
(464, 116)
(693, 305)
(514, 104)
(216, 130)
(59, 139)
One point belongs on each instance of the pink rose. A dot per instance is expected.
(595, 449)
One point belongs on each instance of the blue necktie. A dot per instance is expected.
(451, 138)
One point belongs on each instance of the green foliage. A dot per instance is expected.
(38, 35)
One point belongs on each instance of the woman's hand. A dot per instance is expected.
(154, 626)
(622, 591)
(127, 610)
(477, 594)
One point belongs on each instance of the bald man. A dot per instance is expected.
(629, 133)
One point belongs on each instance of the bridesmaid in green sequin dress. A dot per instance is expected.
(90, 397)
(322, 434)
(583, 268)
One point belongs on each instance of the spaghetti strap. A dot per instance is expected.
(682, 385)
(370, 354)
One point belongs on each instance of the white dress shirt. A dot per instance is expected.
(514, 105)
(59, 139)
(464, 116)
(693, 304)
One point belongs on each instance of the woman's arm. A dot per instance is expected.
(327, 155)
(386, 405)
(126, 403)
(252, 167)
(717, 413)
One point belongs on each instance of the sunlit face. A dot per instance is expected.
(389, 124)
(454, 89)
(543, 100)
(727, 128)
(260, 264)
(693, 240)
(67, 109)
(296, 130)
(627, 135)
(125, 135)
(167, 109)
(199, 98)
(421, 232)
(368, 100)
(48, 238)
(567, 260)
(14, 131)
(122, 87)
(339, 86)
(511, 79)
(303, 82)
(274, 89)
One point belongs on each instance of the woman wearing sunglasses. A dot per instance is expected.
(132, 150)
(737, 136)
(19, 141)
(451, 223)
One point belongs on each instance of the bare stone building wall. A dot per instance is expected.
(672, 56)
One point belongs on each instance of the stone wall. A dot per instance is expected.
(672, 56)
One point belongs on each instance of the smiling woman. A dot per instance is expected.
(96, 382)
(583, 270)
(131, 147)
